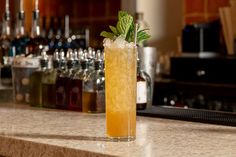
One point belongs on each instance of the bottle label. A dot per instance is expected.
(24, 62)
(141, 92)
(60, 96)
(76, 97)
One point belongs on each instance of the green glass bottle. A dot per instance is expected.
(94, 88)
(49, 83)
(35, 98)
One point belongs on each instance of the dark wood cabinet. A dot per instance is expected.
(220, 69)
(202, 83)
(92, 14)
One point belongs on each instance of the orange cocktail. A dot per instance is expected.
(120, 76)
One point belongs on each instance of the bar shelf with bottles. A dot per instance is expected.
(72, 82)
(54, 68)
(15, 42)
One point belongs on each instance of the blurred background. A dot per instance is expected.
(178, 28)
(166, 18)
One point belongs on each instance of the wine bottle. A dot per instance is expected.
(37, 42)
(5, 44)
(18, 45)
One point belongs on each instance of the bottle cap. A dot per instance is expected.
(7, 16)
(84, 60)
(36, 14)
(56, 59)
(62, 58)
(98, 63)
(44, 59)
(80, 53)
(21, 15)
(70, 59)
(76, 59)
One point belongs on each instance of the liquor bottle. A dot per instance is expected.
(5, 44)
(35, 98)
(100, 83)
(143, 88)
(62, 83)
(44, 31)
(22, 68)
(76, 60)
(51, 36)
(70, 63)
(91, 58)
(49, 83)
(143, 25)
(78, 79)
(81, 39)
(67, 40)
(94, 88)
(80, 53)
(75, 90)
(37, 42)
(5, 39)
(18, 45)
(56, 61)
(58, 44)
(62, 61)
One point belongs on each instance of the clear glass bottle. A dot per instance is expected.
(62, 60)
(143, 88)
(63, 41)
(5, 44)
(6, 73)
(49, 83)
(94, 88)
(76, 60)
(61, 83)
(5, 39)
(143, 25)
(76, 88)
(51, 36)
(18, 45)
(91, 58)
(58, 44)
(45, 41)
(66, 39)
(80, 53)
(35, 98)
(44, 31)
(37, 42)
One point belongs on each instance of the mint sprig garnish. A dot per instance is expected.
(125, 29)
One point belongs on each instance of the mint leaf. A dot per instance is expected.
(142, 36)
(130, 35)
(121, 14)
(125, 28)
(124, 24)
(114, 30)
(107, 34)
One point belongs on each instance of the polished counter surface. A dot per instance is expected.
(35, 132)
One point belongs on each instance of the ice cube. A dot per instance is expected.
(119, 42)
